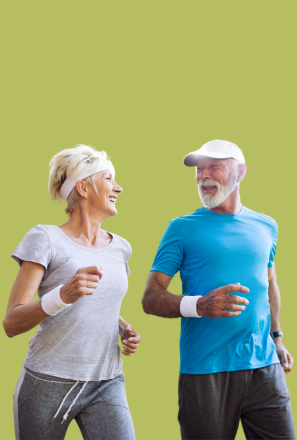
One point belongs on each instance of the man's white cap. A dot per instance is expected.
(217, 149)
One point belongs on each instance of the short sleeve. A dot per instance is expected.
(273, 247)
(34, 247)
(169, 255)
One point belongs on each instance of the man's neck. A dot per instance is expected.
(231, 205)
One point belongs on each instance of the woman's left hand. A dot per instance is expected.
(130, 339)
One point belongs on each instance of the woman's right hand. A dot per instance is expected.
(84, 282)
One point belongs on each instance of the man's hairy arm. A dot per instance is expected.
(157, 300)
(218, 303)
(285, 358)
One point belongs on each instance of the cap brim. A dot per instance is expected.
(190, 160)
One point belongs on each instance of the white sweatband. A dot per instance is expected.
(188, 306)
(51, 302)
(70, 182)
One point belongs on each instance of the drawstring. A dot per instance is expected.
(69, 409)
(72, 388)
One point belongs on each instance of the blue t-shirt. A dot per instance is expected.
(212, 250)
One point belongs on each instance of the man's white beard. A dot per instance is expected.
(223, 191)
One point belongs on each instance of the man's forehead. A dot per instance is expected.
(211, 160)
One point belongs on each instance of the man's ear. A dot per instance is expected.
(241, 170)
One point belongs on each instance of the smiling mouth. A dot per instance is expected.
(208, 188)
(112, 199)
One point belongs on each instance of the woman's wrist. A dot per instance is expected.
(52, 303)
(122, 325)
(62, 294)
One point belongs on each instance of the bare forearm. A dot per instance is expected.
(160, 302)
(122, 325)
(23, 318)
(275, 306)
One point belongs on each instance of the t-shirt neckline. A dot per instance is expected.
(241, 212)
(85, 247)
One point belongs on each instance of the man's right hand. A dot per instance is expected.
(84, 282)
(218, 303)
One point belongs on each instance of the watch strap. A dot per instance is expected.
(276, 335)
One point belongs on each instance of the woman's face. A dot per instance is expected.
(107, 190)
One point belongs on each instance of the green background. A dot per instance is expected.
(148, 82)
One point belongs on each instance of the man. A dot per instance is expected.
(232, 356)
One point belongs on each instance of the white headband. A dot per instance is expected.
(70, 182)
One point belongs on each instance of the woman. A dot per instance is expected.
(73, 369)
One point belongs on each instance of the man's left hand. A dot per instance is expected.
(130, 339)
(286, 360)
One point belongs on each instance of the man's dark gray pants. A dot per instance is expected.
(211, 405)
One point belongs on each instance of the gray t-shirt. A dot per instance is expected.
(81, 341)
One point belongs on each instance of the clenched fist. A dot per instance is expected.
(130, 339)
(84, 282)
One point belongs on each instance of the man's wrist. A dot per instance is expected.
(198, 308)
(276, 334)
(188, 306)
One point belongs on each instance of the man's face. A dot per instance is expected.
(216, 179)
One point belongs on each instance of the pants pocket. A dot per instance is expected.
(113, 391)
(26, 388)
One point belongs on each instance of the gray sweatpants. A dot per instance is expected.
(45, 405)
(211, 405)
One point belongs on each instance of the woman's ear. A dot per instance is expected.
(82, 189)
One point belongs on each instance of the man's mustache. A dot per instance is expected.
(208, 183)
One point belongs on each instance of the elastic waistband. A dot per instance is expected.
(48, 378)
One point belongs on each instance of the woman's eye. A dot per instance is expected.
(108, 178)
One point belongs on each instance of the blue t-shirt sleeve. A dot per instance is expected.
(170, 251)
(273, 247)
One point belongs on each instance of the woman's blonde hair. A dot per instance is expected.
(69, 163)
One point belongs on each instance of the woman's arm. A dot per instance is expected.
(22, 315)
(122, 325)
(129, 337)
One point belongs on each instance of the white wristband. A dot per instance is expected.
(188, 306)
(51, 302)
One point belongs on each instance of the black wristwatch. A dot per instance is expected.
(276, 335)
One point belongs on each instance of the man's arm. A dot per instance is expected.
(217, 303)
(285, 358)
(157, 300)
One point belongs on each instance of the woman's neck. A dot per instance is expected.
(85, 229)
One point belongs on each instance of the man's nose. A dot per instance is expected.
(204, 174)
